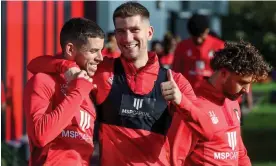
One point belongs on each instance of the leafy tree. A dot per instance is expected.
(255, 22)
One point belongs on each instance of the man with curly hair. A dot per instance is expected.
(235, 68)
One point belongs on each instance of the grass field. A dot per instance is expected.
(259, 129)
(264, 164)
(260, 120)
(259, 135)
(264, 87)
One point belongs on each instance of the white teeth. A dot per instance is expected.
(130, 45)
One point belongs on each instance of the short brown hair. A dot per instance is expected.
(241, 58)
(130, 9)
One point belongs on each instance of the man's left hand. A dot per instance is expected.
(170, 89)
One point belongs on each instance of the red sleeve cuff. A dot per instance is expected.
(185, 103)
(81, 85)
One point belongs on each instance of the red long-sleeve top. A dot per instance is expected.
(226, 147)
(60, 120)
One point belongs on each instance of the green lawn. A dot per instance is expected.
(260, 120)
(259, 134)
(265, 108)
(264, 164)
(264, 87)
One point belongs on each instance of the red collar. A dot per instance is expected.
(208, 91)
(152, 66)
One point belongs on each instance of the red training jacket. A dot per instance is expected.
(3, 94)
(226, 147)
(127, 146)
(60, 120)
(194, 61)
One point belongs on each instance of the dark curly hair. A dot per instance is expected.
(241, 58)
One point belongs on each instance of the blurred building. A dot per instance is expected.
(168, 15)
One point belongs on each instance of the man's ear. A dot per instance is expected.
(224, 74)
(69, 51)
(150, 33)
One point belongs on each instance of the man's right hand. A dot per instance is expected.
(83, 74)
(73, 73)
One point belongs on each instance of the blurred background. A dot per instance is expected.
(30, 29)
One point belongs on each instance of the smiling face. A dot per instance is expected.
(89, 55)
(81, 41)
(132, 35)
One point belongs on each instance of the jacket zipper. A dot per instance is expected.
(227, 116)
(135, 76)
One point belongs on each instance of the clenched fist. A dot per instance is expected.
(83, 74)
(170, 89)
(72, 73)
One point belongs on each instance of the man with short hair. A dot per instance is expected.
(135, 96)
(60, 115)
(235, 68)
(193, 55)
